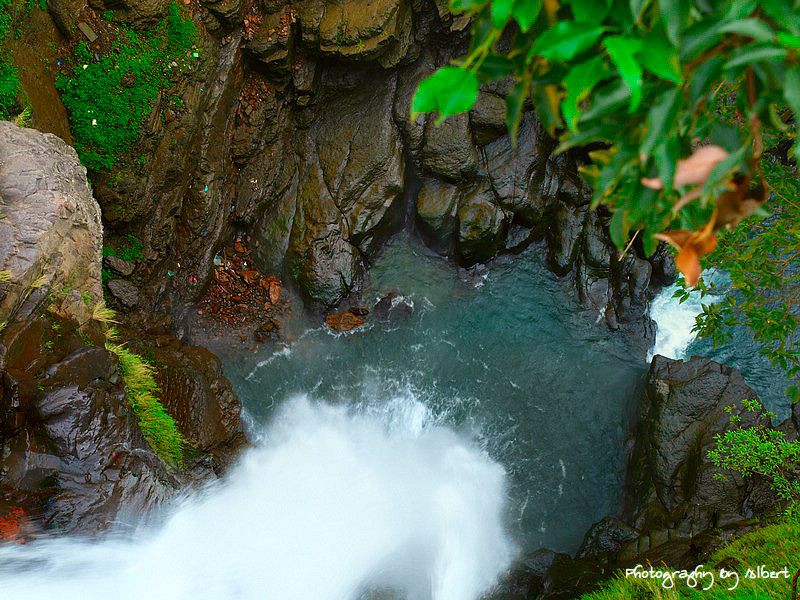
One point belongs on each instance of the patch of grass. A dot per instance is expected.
(158, 427)
(9, 88)
(775, 546)
(181, 32)
(6, 276)
(109, 98)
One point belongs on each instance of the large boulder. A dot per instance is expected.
(673, 484)
(345, 194)
(50, 231)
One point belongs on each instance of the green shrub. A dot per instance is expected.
(158, 427)
(181, 32)
(109, 98)
(9, 90)
(131, 251)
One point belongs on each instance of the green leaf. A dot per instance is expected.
(791, 89)
(459, 6)
(780, 11)
(597, 133)
(649, 242)
(700, 37)
(580, 81)
(525, 12)
(593, 11)
(547, 106)
(622, 51)
(666, 155)
(702, 79)
(754, 28)
(514, 103)
(450, 91)
(564, 40)
(674, 14)
(501, 11)
(751, 54)
(606, 99)
(660, 120)
(494, 67)
(659, 57)
(618, 229)
(788, 40)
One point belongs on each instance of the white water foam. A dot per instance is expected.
(675, 319)
(333, 504)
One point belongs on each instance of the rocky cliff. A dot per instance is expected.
(293, 125)
(72, 454)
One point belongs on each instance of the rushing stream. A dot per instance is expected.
(418, 455)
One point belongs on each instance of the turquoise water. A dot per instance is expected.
(506, 358)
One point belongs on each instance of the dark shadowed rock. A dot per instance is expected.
(393, 307)
(488, 118)
(124, 291)
(122, 267)
(481, 226)
(448, 150)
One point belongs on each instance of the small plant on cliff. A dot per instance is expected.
(158, 427)
(759, 450)
(181, 32)
(9, 90)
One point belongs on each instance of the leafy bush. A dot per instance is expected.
(108, 99)
(181, 32)
(9, 89)
(130, 252)
(758, 450)
(638, 81)
(158, 427)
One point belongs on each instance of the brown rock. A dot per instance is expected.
(343, 321)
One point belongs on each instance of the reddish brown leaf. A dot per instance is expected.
(693, 170)
(274, 291)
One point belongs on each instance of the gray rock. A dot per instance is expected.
(50, 230)
(563, 238)
(437, 205)
(118, 265)
(488, 118)
(686, 403)
(481, 226)
(124, 291)
(447, 150)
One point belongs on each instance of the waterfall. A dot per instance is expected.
(333, 504)
(675, 319)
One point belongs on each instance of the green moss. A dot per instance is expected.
(775, 546)
(158, 427)
(9, 90)
(130, 251)
(109, 98)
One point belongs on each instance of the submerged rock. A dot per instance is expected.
(343, 321)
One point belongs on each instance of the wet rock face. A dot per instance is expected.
(73, 455)
(50, 233)
(684, 407)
